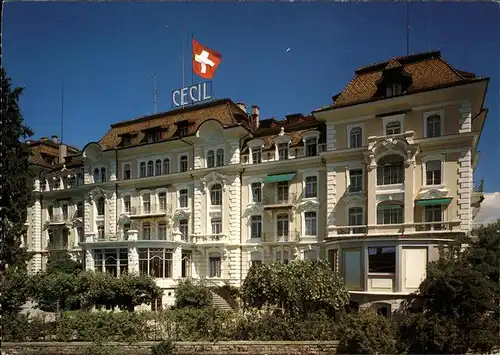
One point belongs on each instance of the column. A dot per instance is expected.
(177, 263)
(465, 117)
(234, 191)
(409, 187)
(465, 190)
(235, 153)
(371, 204)
(112, 171)
(331, 136)
(331, 197)
(89, 260)
(88, 227)
(36, 235)
(197, 213)
(197, 158)
(133, 256)
(111, 215)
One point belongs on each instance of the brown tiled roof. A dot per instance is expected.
(427, 71)
(39, 148)
(224, 110)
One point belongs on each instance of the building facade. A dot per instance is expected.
(373, 182)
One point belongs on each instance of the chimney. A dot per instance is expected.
(55, 139)
(43, 139)
(242, 106)
(255, 116)
(63, 151)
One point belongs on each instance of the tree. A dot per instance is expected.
(300, 287)
(191, 295)
(15, 178)
(14, 286)
(457, 307)
(61, 261)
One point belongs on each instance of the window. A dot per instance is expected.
(65, 212)
(146, 203)
(282, 225)
(157, 136)
(158, 167)
(103, 174)
(255, 259)
(79, 179)
(50, 211)
(184, 229)
(310, 255)
(356, 218)
(126, 228)
(112, 261)
(433, 126)
(150, 168)
(393, 90)
(183, 164)
(282, 256)
(126, 172)
(433, 214)
(142, 169)
(81, 235)
(283, 151)
(127, 204)
(255, 226)
(433, 172)
(256, 191)
(126, 141)
(216, 225)
(157, 305)
(150, 137)
(333, 259)
(210, 159)
(383, 311)
(214, 265)
(216, 195)
(166, 166)
(382, 260)
(311, 187)
(146, 231)
(79, 209)
(100, 232)
(355, 137)
(282, 191)
(155, 262)
(390, 170)
(186, 264)
(162, 200)
(220, 157)
(162, 230)
(355, 180)
(96, 175)
(389, 214)
(57, 183)
(183, 198)
(256, 155)
(310, 222)
(392, 128)
(311, 147)
(100, 206)
(183, 131)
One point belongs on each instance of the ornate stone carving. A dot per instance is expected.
(123, 219)
(94, 193)
(355, 199)
(282, 131)
(432, 194)
(308, 205)
(253, 208)
(213, 176)
(181, 214)
(77, 222)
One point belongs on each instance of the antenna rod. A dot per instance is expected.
(407, 28)
(155, 93)
(62, 111)
(183, 56)
(192, 69)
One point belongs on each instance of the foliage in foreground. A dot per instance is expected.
(14, 286)
(165, 347)
(300, 288)
(189, 294)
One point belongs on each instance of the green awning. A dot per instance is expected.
(389, 207)
(434, 201)
(278, 178)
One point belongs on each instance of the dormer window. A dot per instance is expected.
(311, 147)
(283, 151)
(256, 155)
(150, 137)
(126, 141)
(393, 90)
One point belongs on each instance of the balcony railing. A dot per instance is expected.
(58, 218)
(293, 153)
(151, 209)
(291, 237)
(276, 200)
(406, 228)
(209, 238)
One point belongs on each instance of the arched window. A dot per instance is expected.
(183, 162)
(100, 206)
(158, 167)
(166, 166)
(142, 169)
(210, 159)
(126, 172)
(433, 126)
(220, 157)
(355, 137)
(103, 174)
(393, 127)
(216, 195)
(150, 168)
(96, 175)
(390, 170)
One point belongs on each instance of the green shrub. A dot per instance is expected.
(366, 333)
(190, 294)
(205, 324)
(98, 348)
(165, 347)
(15, 327)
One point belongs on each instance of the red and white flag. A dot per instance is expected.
(205, 60)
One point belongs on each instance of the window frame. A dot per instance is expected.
(216, 190)
(427, 114)
(214, 264)
(284, 232)
(124, 170)
(307, 176)
(210, 161)
(361, 126)
(181, 162)
(428, 158)
(252, 187)
(349, 171)
(394, 205)
(180, 195)
(219, 157)
(379, 248)
(314, 225)
(216, 225)
(251, 222)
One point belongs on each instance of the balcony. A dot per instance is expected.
(395, 229)
(274, 238)
(293, 153)
(57, 219)
(276, 201)
(149, 210)
(209, 239)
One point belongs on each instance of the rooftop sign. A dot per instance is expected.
(192, 94)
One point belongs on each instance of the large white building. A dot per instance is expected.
(373, 182)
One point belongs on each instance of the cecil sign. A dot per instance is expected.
(192, 94)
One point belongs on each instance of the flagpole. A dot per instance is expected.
(183, 56)
(192, 69)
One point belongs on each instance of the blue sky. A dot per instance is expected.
(105, 53)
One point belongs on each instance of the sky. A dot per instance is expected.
(105, 52)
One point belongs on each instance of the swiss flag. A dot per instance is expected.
(205, 60)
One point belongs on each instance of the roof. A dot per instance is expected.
(427, 71)
(224, 111)
(46, 148)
